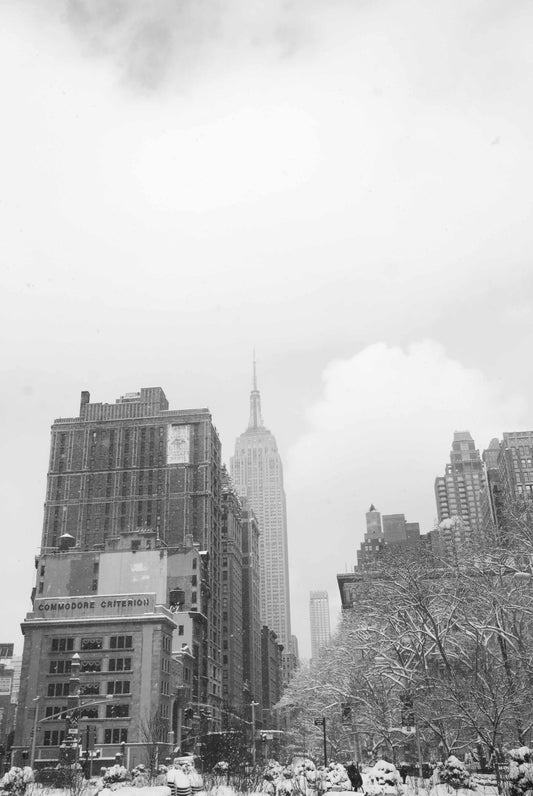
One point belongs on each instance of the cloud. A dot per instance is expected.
(380, 433)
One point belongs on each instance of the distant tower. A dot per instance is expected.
(319, 617)
(257, 473)
(458, 491)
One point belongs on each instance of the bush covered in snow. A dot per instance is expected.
(520, 770)
(334, 777)
(16, 779)
(384, 777)
(454, 773)
(115, 773)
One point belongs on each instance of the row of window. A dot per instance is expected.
(111, 735)
(90, 689)
(63, 666)
(66, 644)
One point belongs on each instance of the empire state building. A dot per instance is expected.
(257, 473)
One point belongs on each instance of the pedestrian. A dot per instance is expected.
(354, 775)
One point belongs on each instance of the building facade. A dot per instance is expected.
(319, 620)
(235, 700)
(133, 473)
(130, 614)
(385, 532)
(136, 464)
(257, 473)
(458, 491)
(251, 605)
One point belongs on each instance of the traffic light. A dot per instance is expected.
(90, 737)
(346, 712)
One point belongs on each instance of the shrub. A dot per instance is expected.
(16, 779)
(52, 777)
(520, 771)
(454, 773)
(115, 773)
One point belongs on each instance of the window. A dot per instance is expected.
(181, 629)
(60, 667)
(193, 597)
(62, 644)
(53, 737)
(118, 687)
(89, 713)
(55, 710)
(119, 664)
(89, 688)
(91, 666)
(117, 711)
(91, 643)
(58, 689)
(117, 735)
(121, 642)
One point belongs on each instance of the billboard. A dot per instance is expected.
(178, 444)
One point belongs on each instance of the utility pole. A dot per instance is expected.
(34, 738)
(253, 705)
(322, 723)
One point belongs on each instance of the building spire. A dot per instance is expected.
(255, 421)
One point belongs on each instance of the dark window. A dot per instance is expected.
(62, 644)
(121, 642)
(180, 630)
(60, 667)
(118, 687)
(117, 711)
(117, 735)
(119, 664)
(53, 737)
(55, 710)
(58, 689)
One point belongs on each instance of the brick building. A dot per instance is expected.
(130, 613)
(138, 479)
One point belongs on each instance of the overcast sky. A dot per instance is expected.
(345, 184)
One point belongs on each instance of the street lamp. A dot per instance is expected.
(253, 705)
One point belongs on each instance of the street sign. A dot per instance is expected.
(320, 722)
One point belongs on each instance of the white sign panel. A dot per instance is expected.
(5, 685)
(178, 444)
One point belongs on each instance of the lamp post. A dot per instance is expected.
(34, 737)
(253, 705)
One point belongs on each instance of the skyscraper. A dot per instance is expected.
(458, 491)
(319, 618)
(257, 473)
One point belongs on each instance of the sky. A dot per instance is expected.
(345, 185)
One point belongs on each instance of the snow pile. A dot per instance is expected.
(520, 771)
(334, 778)
(383, 778)
(454, 773)
(115, 774)
(271, 775)
(15, 780)
(305, 775)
